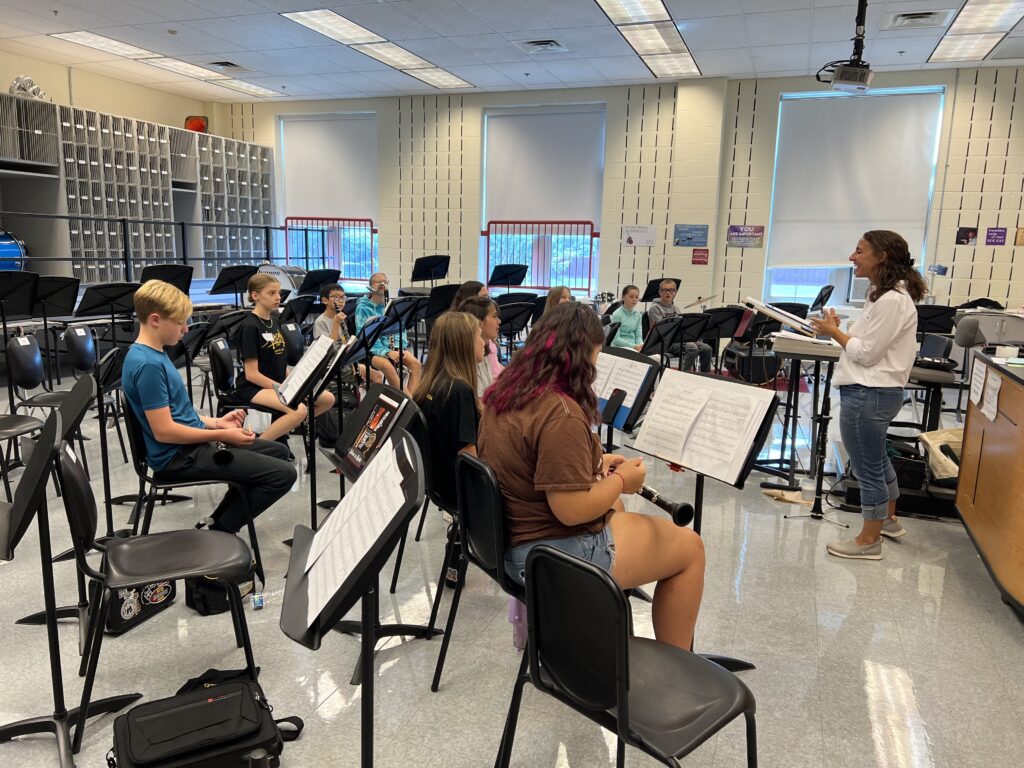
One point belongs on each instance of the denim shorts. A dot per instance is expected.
(864, 420)
(597, 548)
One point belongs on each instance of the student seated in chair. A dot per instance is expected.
(332, 323)
(558, 489)
(630, 334)
(384, 357)
(665, 306)
(181, 444)
(486, 311)
(560, 294)
(447, 397)
(468, 290)
(261, 346)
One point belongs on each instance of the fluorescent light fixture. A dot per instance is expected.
(438, 78)
(250, 88)
(106, 44)
(672, 65)
(186, 69)
(336, 27)
(977, 18)
(651, 39)
(635, 11)
(393, 55)
(965, 47)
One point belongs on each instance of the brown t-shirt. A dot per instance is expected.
(547, 446)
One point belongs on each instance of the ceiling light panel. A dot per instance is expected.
(186, 69)
(965, 47)
(106, 44)
(983, 17)
(336, 27)
(635, 11)
(249, 88)
(651, 39)
(393, 55)
(672, 65)
(438, 78)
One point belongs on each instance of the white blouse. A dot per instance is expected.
(883, 343)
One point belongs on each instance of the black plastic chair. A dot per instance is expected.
(80, 343)
(539, 304)
(13, 427)
(222, 370)
(294, 342)
(610, 333)
(150, 486)
(655, 697)
(139, 560)
(933, 345)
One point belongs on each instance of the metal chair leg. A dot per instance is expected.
(509, 734)
(751, 739)
(147, 516)
(446, 563)
(254, 545)
(449, 626)
(120, 434)
(620, 753)
(398, 561)
(90, 673)
(423, 519)
(235, 597)
(6, 471)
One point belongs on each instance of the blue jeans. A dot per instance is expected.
(863, 423)
(597, 548)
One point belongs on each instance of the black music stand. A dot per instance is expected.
(361, 585)
(821, 299)
(653, 289)
(935, 318)
(691, 327)
(661, 337)
(178, 275)
(108, 299)
(56, 296)
(508, 275)
(439, 301)
(17, 300)
(315, 278)
(430, 268)
(232, 280)
(514, 318)
(298, 309)
(227, 324)
(28, 503)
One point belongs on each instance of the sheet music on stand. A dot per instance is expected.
(705, 424)
(352, 528)
(619, 373)
(307, 367)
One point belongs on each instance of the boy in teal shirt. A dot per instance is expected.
(630, 320)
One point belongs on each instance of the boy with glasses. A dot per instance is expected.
(665, 306)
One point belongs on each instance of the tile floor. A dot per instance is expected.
(911, 662)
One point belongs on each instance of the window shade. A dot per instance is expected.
(544, 166)
(848, 164)
(329, 165)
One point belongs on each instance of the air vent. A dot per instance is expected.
(228, 66)
(534, 47)
(916, 19)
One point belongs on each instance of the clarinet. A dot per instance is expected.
(681, 512)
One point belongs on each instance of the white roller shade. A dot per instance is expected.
(329, 165)
(544, 166)
(845, 165)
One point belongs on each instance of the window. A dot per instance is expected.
(801, 284)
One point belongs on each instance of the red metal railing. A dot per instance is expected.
(556, 252)
(318, 242)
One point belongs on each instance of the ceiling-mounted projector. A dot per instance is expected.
(851, 75)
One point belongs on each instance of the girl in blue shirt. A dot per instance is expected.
(630, 320)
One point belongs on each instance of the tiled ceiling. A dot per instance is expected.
(473, 39)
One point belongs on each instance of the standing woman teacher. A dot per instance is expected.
(873, 370)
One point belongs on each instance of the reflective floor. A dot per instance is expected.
(911, 662)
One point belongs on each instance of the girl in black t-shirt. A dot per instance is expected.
(261, 346)
(447, 396)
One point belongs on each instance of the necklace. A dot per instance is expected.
(268, 324)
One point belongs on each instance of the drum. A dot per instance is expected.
(12, 252)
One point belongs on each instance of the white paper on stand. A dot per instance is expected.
(978, 381)
(299, 375)
(614, 372)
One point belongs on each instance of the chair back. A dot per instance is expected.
(936, 346)
(538, 308)
(294, 342)
(31, 490)
(77, 403)
(610, 333)
(968, 333)
(579, 630)
(612, 307)
(108, 372)
(417, 429)
(24, 362)
(136, 437)
(645, 324)
(222, 365)
(80, 505)
(481, 520)
(80, 343)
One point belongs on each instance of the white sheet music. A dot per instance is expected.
(300, 374)
(614, 372)
(707, 425)
(351, 529)
(978, 380)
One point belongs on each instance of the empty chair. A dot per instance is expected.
(933, 345)
(655, 697)
(294, 342)
(80, 343)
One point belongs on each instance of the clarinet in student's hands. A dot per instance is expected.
(681, 513)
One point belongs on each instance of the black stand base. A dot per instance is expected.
(380, 631)
(79, 612)
(61, 726)
(816, 515)
(780, 486)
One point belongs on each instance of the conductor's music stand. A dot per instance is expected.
(56, 296)
(362, 583)
(232, 280)
(653, 289)
(315, 278)
(178, 275)
(108, 299)
(29, 502)
(508, 275)
(430, 268)
(17, 300)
